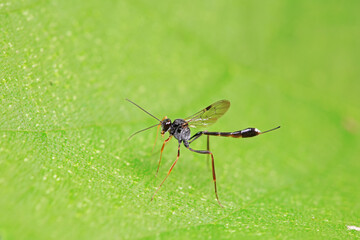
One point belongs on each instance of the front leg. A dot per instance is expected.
(162, 149)
(171, 168)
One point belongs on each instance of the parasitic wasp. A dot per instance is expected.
(180, 129)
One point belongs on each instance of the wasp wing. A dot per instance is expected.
(208, 115)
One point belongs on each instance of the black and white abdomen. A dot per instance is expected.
(180, 130)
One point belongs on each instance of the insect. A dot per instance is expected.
(180, 130)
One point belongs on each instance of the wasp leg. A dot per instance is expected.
(171, 168)
(162, 149)
(157, 133)
(208, 148)
(212, 165)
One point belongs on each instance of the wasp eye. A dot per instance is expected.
(166, 124)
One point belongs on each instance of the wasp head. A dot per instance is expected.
(165, 125)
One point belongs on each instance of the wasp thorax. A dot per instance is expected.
(165, 125)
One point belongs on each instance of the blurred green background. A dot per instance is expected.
(67, 170)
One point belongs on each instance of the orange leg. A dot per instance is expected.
(157, 133)
(162, 149)
(171, 168)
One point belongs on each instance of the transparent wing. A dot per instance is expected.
(208, 115)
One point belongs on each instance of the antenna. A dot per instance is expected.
(147, 113)
(143, 109)
(142, 130)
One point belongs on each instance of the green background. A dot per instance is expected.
(67, 170)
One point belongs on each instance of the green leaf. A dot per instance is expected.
(67, 170)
